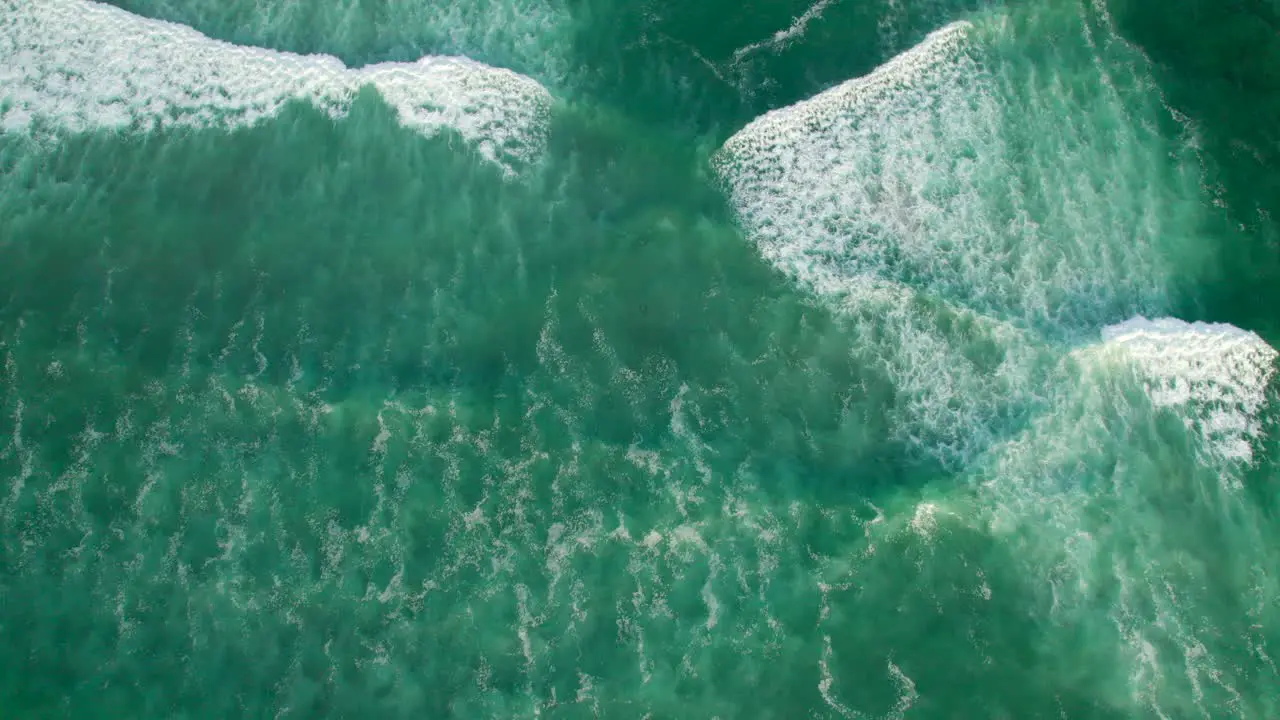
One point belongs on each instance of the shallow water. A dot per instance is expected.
(643, 360)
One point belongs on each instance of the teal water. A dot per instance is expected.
(849, 359)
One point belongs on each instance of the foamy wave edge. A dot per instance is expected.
(1216, 375)
(78, 65)
(783, 171)
(911, 66)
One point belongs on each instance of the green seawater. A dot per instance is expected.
(320, 416)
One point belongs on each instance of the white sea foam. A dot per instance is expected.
(1111, 511)
(1025, 198)
(993, 190)
(807, 184)
(800, 176)
(785, 36)
(1216, 375)
(76, 65)
(959, 376)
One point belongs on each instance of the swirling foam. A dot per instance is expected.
(1031, 197)
(996, 192)
(77, 65)
(1216, 375)
(800, 177)
(806, 181)
(961, 379)
(1118, 515)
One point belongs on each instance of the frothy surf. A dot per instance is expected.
(1215, 375)
(1117, 510)
(798, 177)
(981, 187)
(804, 182)
(77, 66)
(962, 380)
(964, 183)
(528, 36)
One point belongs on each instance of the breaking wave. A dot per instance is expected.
(76, 66)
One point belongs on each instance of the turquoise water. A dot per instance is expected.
(667, 360)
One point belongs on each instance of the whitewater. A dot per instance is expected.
(838, 359)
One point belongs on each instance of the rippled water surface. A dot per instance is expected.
(591, 358)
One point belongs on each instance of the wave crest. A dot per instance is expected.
(79, 66)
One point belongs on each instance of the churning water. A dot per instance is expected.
(590, 358)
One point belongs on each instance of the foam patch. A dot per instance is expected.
(962, 380)
(1215, 375)
(78, 66)
(1118, 516)
(993, 191)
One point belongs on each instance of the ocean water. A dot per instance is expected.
(591, 358)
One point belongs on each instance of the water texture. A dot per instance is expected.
(528, 358)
